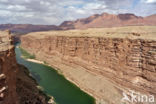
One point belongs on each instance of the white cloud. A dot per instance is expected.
(80, 11)
(27, 1)
(150, 1)
(4, 0)
(16, 7)
(94, 6)
(45, 3)
(57, 11)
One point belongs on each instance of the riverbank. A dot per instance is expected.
(28, 85)
(29, 57)
(105, 91)
(35, 61)
(90, 78)
(27, 88)
(66, 77)
(52, 81)
(78, 71)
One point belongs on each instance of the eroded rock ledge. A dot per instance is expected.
(103, 62)
(16, 87)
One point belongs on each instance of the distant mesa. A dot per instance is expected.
(109, 20)
(103, 20)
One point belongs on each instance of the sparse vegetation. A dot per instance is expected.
(45, 62)
(27, 55)
(132, 32)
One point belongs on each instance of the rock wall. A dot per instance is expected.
(27, 90)
(13, 80)
(8, 70)
(102, 66)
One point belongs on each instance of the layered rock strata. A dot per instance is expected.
(103, 62)
(8, 70)
(16, 87)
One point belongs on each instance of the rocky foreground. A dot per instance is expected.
(16, 86)
(104, 62)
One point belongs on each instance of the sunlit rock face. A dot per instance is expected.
(103, 62)
(8, 69)
(106, 20)
(16, 87)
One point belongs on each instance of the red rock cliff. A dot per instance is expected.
(8, 70)
(101, 60)
(16, 87)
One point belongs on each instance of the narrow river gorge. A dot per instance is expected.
(54, 84)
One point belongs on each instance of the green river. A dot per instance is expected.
(54, 84)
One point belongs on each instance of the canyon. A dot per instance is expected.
(104, 62)
(16, 86)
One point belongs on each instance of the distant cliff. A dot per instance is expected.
(94, 21)
(26, 28)
(16, 87)
(109, 20)
(103, 62)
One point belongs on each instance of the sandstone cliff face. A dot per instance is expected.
(15, 86)
(100, 64)
(109, 20)
(8, 68)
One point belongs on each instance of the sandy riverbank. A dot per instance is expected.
(36, 61)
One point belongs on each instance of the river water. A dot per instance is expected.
(54, 84)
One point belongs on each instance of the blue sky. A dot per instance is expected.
(57, 11)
